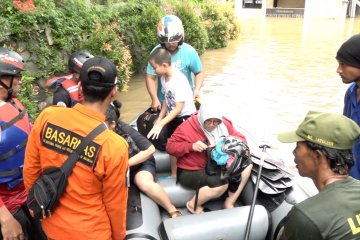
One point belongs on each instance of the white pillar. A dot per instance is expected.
(238, 6)
(353, 5)
(326, 8)
(352, 8)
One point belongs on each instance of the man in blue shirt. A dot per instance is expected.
(170, 33)
(348, 57)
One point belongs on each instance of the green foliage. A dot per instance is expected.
(137, 23)
(59, 27)
(28, 94)
(71, 22)
(106, 41)
(107, 2)
(234, 25)
(5, 25)
(49, 34)
(217, 25)
(48, 60)
(195, 32)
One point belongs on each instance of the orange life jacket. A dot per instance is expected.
(69, 84)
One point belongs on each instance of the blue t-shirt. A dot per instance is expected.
(352, 110)
(186, 59)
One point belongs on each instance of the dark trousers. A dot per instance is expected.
(166, 132)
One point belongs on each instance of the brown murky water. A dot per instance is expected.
(268, 79)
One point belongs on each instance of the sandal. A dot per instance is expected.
(191, 210)
(204, 209)
(175, 214)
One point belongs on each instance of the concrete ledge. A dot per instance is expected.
(285, 12)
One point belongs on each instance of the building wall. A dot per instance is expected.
(313, 8)
(325, 8)
(269, 3)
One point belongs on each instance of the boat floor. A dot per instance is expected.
(210, 206)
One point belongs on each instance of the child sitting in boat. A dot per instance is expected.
(189, 143)
(178, 104)
(141, 160)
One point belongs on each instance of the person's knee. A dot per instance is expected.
(145, 186)
(144, 181)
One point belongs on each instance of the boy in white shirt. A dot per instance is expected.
(178, 104)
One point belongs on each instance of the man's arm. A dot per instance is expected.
(32, 167)
(151, 87)
(197, 69)
(10, 227)
(199, 79)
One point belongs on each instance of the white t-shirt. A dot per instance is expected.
(177, 89)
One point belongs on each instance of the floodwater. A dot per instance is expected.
(270, 77)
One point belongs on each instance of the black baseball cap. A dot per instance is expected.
(98, 71)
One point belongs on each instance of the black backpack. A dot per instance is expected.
(145, 123)
(241, 159)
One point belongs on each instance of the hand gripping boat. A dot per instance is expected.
(278, 191)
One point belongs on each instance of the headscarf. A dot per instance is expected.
(207, 111)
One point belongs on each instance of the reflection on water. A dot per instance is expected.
(276, 72)
(268, 79)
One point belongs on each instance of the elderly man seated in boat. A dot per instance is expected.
(323, 152)
(206, 137)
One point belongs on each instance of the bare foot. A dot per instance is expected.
(175, 214)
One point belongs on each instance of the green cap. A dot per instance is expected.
(327, 129)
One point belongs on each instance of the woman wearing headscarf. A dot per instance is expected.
(189, 143)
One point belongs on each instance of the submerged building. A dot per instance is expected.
(301, 8)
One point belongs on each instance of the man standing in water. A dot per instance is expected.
(348, 57)
(170, 32)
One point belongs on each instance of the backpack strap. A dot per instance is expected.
(13, 151)
(72, 159)
(10, 172)
(6, 125)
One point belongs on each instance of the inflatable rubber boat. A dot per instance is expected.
(278, 190)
